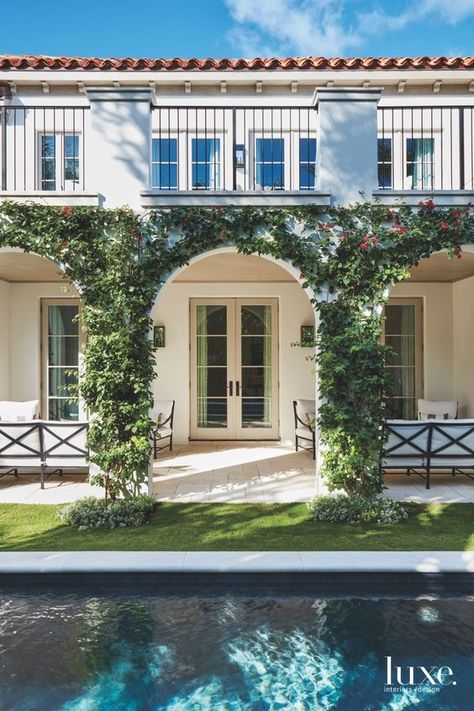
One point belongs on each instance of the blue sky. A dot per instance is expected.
(202, 28)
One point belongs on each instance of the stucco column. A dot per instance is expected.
(118, 146)
(347, 143)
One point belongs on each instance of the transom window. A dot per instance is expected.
(61, 341)
(403, 333)
(206, 163)
(59, 161)
(164, 164)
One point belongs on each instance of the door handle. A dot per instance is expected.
(237, 388)
(230, 388)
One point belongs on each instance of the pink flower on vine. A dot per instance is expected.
(443, 225)
(427, 204)
(66, 211)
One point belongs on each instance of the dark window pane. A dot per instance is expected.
(212, 382)
(62, 382)
(385, 175)
(307, 176)
(49, 170)
(256, 413)
(403, 381)
(402, 350)
(71, 169)
(211, 412)
(63, 351)
(307, 150)
(256, 320)
(211, 320)
(399, 319)
(401, 408)
(62, 320)
(71, 146)
(48, 146)
(253, 350)
(61, 409)
(256, 382)
(215, 350)
(384, 150)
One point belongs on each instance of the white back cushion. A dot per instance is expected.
(437, 409)
(305, 409)
(11, 411)
(161, 410)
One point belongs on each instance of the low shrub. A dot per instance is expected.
(356, 509)
(90, 512)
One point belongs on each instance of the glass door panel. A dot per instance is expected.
(256, 365)
(61, 365)
(233, 369)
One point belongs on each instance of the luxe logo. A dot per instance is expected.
(418, 676)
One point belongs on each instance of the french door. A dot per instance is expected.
(234, 369)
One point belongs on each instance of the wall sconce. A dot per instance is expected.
(239, 155)
(159, 337)
(307, 336)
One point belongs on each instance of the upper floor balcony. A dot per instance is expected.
(200, 153)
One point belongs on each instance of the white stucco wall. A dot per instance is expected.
(437, 335)
(4, 340)
(463, 309)
(24, 336)
(173, 364)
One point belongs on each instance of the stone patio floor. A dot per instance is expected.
(233, 472)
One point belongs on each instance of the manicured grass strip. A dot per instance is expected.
(227, 527)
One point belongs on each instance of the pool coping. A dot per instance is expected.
(237, 562)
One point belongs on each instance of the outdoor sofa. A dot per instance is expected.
(424, 447)
(46, 445)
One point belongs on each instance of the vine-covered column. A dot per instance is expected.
(352, 381)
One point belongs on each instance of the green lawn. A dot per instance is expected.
(227, 527)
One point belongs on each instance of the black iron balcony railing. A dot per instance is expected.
(426, 148)
(233, 148)
(43, 148)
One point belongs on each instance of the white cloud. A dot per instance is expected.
(307, 27)
(327, 27)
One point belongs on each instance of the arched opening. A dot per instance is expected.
(430, 326)
(240, 382)
(41, 343)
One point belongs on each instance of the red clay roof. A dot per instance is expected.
(18, 62)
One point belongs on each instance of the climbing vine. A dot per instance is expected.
(348, 257)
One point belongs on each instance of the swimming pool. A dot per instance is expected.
(234, 643)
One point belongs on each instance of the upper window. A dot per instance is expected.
(59, 161)
(420, 163)
(164, 164)
(307, 163)
(270, 163)
(384, 162)
(206, 163)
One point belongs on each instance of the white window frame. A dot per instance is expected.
(61, 184)
(188, 155)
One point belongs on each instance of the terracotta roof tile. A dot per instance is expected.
(29, 62)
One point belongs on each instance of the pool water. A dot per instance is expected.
(198, 646)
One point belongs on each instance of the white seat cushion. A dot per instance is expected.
(164, 432)
(11, 411)
(26, 450)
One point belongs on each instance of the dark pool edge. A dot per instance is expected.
(97, 562)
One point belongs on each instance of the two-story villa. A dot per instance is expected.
(154, 133)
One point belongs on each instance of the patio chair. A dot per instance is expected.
(305, 414)
(163, 414)
(12, 411)
(437, 409)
